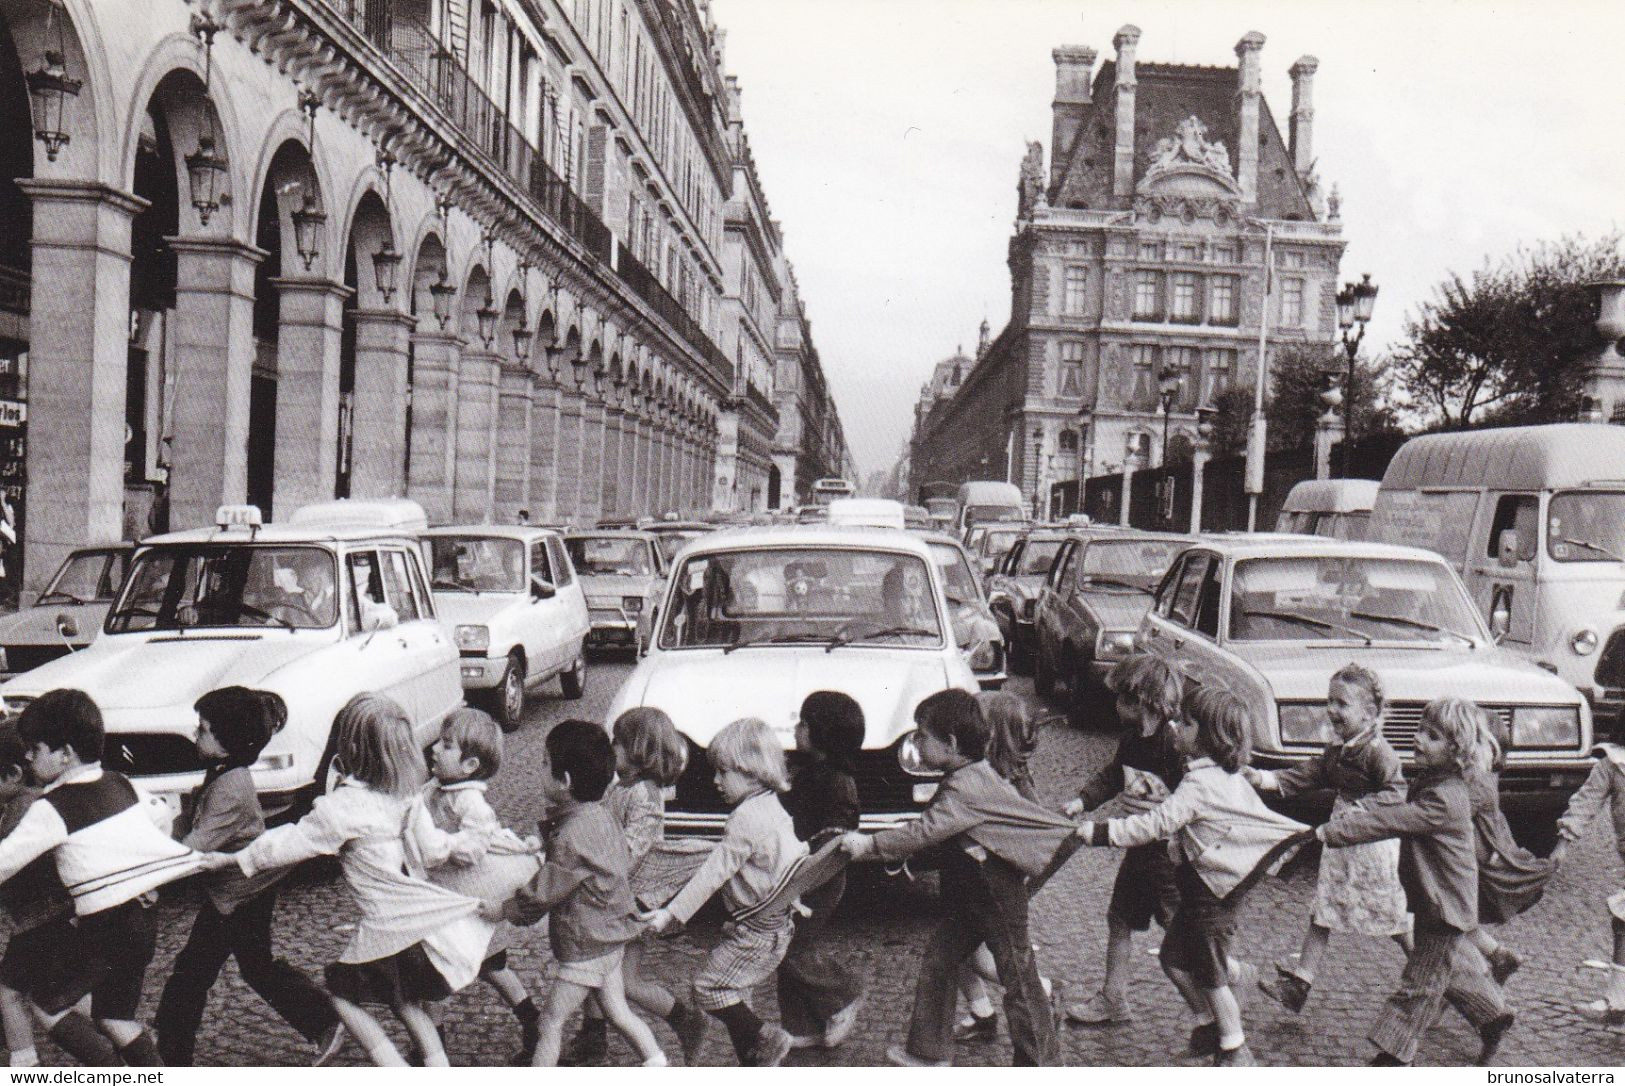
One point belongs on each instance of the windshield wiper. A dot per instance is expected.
(1590, 546)
(1112, 582)
(451, 585)
(776, 639)
(1415, 624)
(68, 597)
(1306, 620)
(888, 631)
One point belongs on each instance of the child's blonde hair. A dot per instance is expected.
(653, 746)
(1014, 732)
(749, 746)
(1352, 674)
(1459, 723)
(376, 747)
(477, 736)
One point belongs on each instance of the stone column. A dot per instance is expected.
(645, 463)
(1248, 93)
(378, 421)
(512, 458)
(213, 351)
(472, 475)
(79, 334)
(544, 454)
(435, 358)
(1128, 490)
(567, 463)
(1126, 42)
(589, 506)
(612, 490)
(1302, 138)
(309, 326)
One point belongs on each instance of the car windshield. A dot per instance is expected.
(1037, 556)
(1325, 597)
(826, 595)
(981, 514)
(610, 555)
(1129, 563)
(672, 542)
(203, 585)
(472, 563)
(88, 577)
(957, 580)
(1586, 526)
(995, 543)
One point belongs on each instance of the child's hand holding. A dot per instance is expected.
(1073, 808)
(1086, 830)
(1256, 778)
(492, 911)
(856, 844)
(533, 843)
(218, 861)
(659, 920)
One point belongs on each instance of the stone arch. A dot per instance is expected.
(370, 229)
(476, 296)
(177, 118)
(294, 174)
(428, 268)
(513, 316)
(69, 28)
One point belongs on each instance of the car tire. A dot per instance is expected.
(508, 699)
(573, 683)
(1043, 675)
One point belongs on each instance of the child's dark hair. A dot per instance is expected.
(477, 736)
(955, 715)
(1222, 726)
(1151, 681)
(13, 751)
(652, 744)
(64, 718)
(581, 749)
(835, 725)
(242, 720)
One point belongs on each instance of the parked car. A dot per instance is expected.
(512, 600)
(755, 619)
(622, 574)
(989, 542)
(1336, 508)
(68, 614)
(316, 615)
(976, 631)
(1014, 587)
(1098, 589)
(1533, 519)
(1272, 620)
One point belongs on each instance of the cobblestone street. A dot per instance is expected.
(884, 932)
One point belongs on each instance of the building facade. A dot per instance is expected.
(1139, 267)
(810, 443)
(466, 251)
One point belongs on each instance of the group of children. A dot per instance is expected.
(439, 883)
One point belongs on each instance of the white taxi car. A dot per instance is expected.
(315, 614)
(1271, 618)
(69, 613)
(755, 619)
(514, 603)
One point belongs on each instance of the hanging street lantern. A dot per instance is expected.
(307, 231)
(386, 266)
(441, 293)
(50, 88)
(487, 316)
(206, 175)
(521, 341)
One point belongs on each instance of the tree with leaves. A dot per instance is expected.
(1509, 345)
(1299, 374)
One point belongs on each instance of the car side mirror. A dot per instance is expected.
(66, 627)
(379, 616)
(542, 590)
(1507, 548)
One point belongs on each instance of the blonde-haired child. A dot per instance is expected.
(416, 942)
(650, 756)
(1439, 869)
(1358, 887)
(758, 854)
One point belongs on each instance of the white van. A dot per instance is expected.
(985, 501)
(1335, 508)
(1533, 518)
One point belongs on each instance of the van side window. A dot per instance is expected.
(1521, 514)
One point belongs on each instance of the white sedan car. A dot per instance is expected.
(514, 603)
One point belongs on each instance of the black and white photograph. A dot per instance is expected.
(811, 533)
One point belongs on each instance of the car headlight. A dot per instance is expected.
(908, 757)
(270, 763)
(474, 638)
(1114, 644)
(1304, 723)
(634, 604)
(1583, 643)
(1545, 725)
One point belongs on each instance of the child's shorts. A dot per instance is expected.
(593, 972)
(1145, 889)
(407, 976)
(39, 961)
(747, 956)
(105, 954)
(1198, 937)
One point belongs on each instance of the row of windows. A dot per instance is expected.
(1185, 297)
(1211, 252)
(1201, 374)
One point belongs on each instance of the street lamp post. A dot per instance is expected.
(1199, 457)
(1354, 304)
(1167, 390)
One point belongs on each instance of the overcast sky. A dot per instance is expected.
(888, 135)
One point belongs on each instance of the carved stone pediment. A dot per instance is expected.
(1154, 207)
(1189, 165)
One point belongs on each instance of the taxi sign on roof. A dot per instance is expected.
(237, 516)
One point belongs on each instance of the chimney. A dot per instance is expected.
(1303, 115)
(1125, 42)
(1247, 89)
(1073, 66)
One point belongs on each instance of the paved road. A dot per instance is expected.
(884, 933)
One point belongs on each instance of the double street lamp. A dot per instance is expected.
(1354, 304)
(1167, 392)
